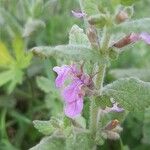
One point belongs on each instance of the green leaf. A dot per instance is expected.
(44, 84)
(139, 25)
(73, 52)
(5, 57)
(132, 94)
(50, 143)
(146, 127)
(127, 2)
(77, 36)
(11, 22)
(31, 26)
(25, 61)
(7, 102)
(20, 117)
(79, 141)
(37, 8)
(5, 77)
(90, 7)
(81, 121)
(143, 74)
(44, 127)
(18, 47)
(16, 78)
(53, 102)
(23, 10)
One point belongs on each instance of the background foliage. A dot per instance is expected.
(27, 90)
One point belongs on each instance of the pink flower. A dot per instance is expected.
(78, 14)
(74, 93)
(142, 36)
(132, 38)
(114, 108)
(62, 74)
(145, 37)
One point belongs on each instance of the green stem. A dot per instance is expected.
(105, 40)
(93, 108)
(99, 79)
(3, 133)
(82, 9)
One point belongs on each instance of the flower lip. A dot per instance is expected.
(74, 93)
(78, 14)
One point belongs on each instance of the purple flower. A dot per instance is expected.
(62, 74)
(145, 37)
(114, 108)
(78, 14)
(142, 36)
(74, 93)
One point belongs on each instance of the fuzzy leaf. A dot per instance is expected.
(80, 141)
(32, 26)
(77, 36)
(44, 127)
(139, 25)
(132, 94)
(143, 74)
(74, 52)
(90, 7)
(44, 84)
(50, 143)
(81, 121)
(146, 130)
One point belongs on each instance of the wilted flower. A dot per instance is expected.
(78, 14)
(74, 93)
(132, 38)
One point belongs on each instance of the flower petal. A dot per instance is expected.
(73, 109)
(62, 74)
(145, 37)
(134, 37)
(78, 14)
(115, 108)
(73, 91)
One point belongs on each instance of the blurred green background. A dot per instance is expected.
(27, 90)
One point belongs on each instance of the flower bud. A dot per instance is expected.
(98, 20)
(121, 16)
(128, 39)
(111, 125)
(92, 36)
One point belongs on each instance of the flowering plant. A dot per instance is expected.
(94, 112)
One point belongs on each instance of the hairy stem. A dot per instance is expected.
(99, 79)
(82, 9)
(93, 108)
